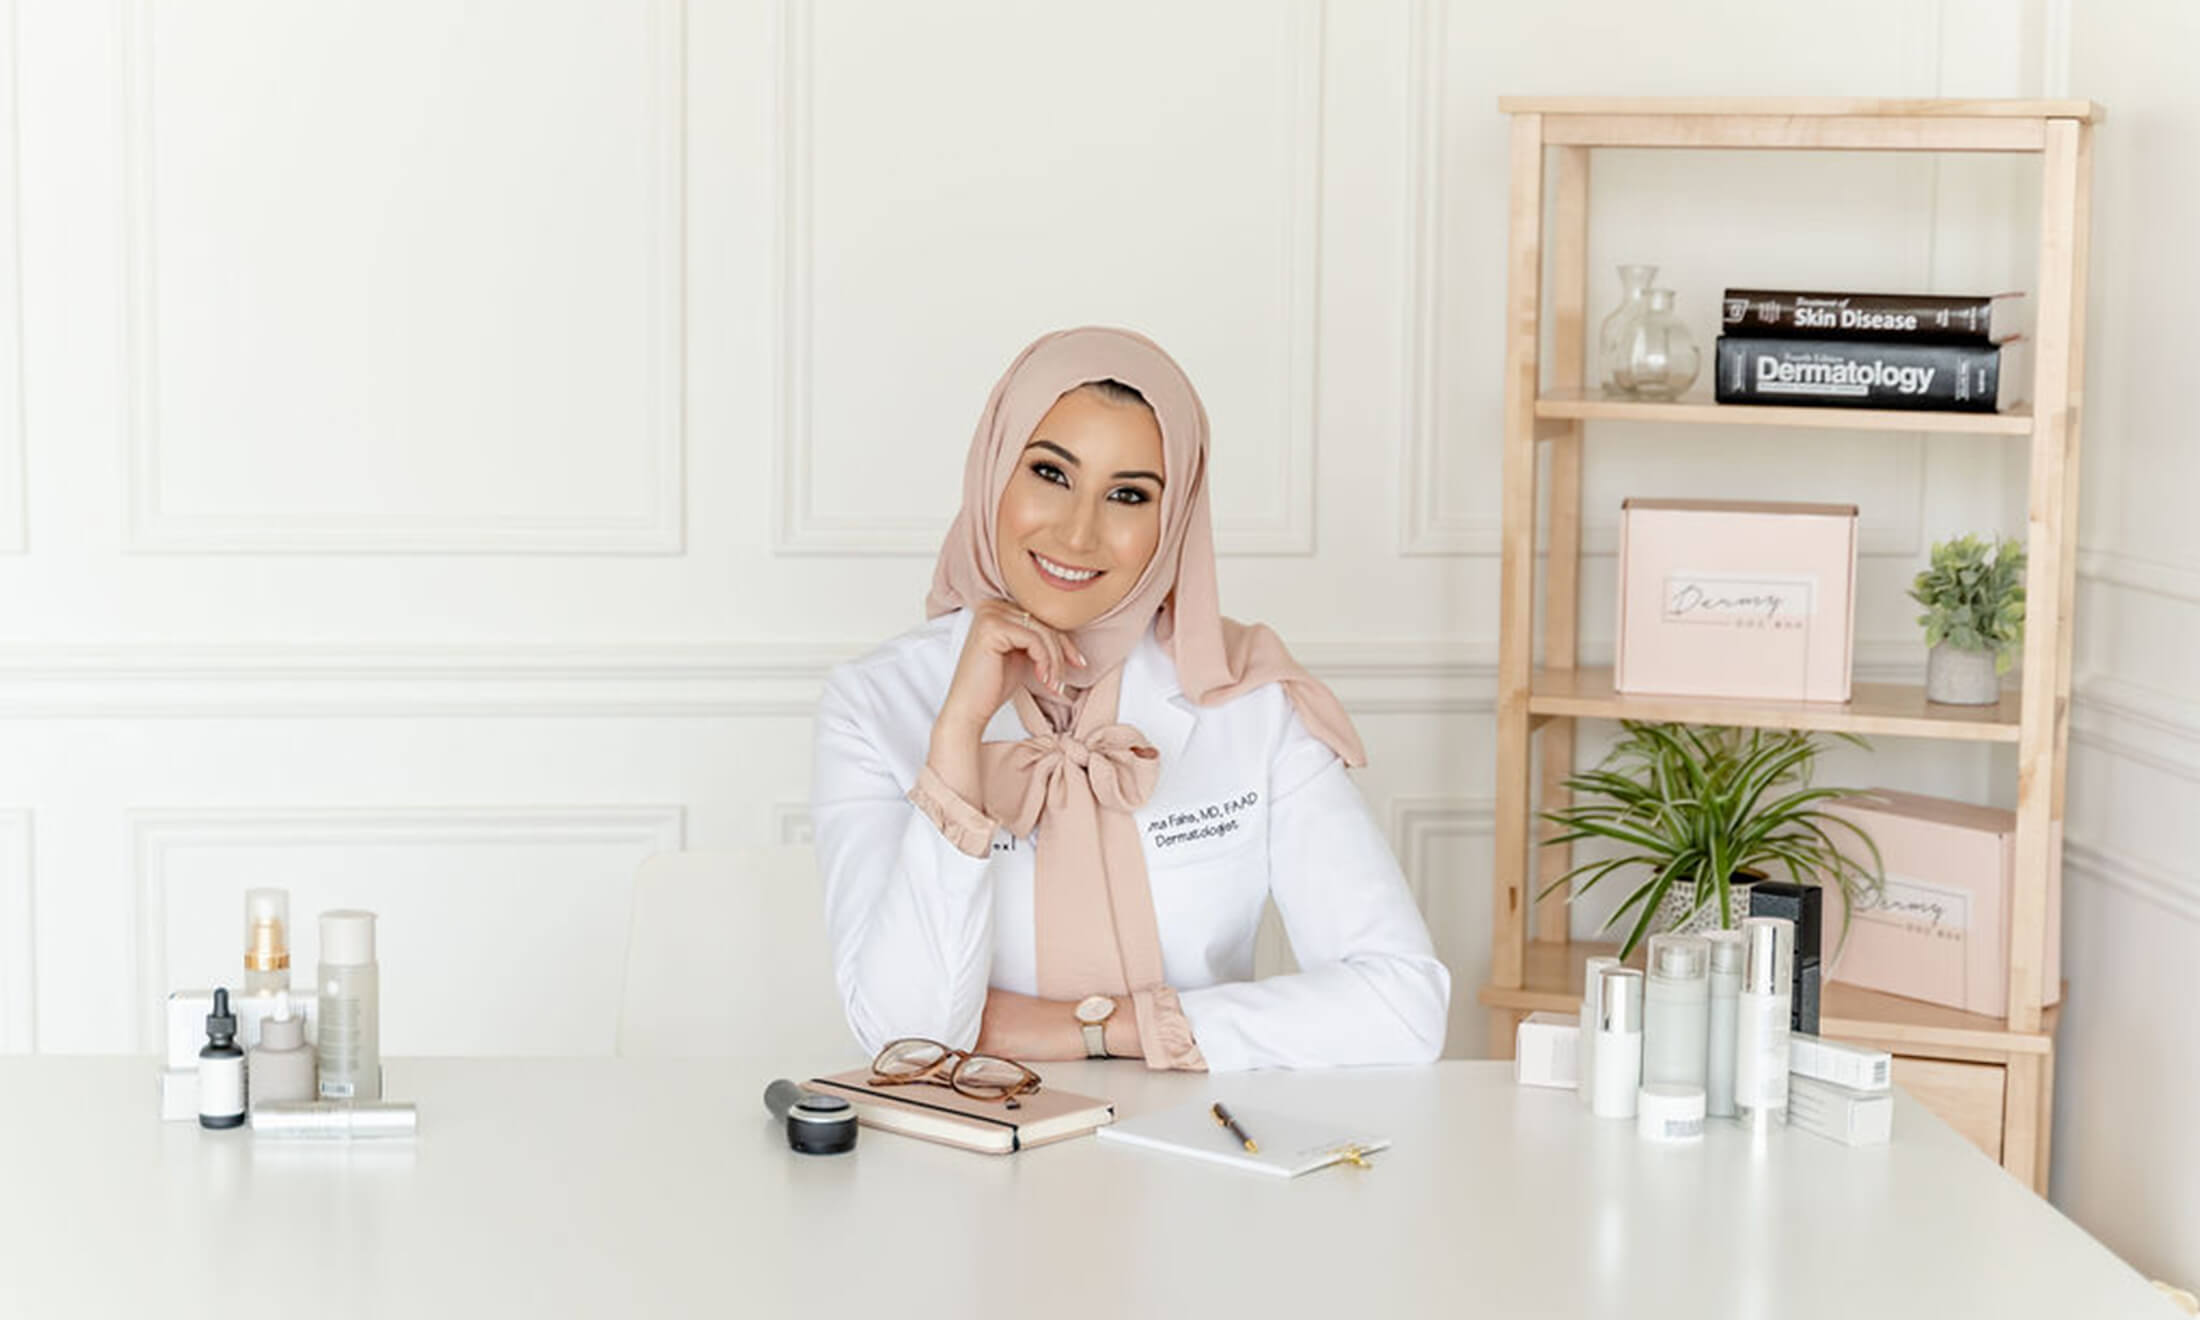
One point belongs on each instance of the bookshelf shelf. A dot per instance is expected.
(1587, 406)
(1891, 709)
(1551, 983)
(2005, 1064)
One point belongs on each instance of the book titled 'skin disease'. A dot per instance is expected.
(1834, 373)
(1925, 318)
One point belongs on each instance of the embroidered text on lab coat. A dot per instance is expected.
(1213, 821)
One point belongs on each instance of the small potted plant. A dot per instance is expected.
(1973, 596)
(1702, 810)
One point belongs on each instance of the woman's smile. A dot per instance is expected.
(1064, 577)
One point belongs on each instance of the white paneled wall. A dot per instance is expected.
(11, 309)
(442, 447)
(2126, 1159)
(375, 258)
(510, 410)
(947, 192)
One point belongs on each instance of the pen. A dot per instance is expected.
(1222, 1116)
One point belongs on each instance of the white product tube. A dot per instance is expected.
(1676, 1015)
(1619, 1044)
(1585, 1062)
(349, 1046)
(336, 1120)
(1762, 1022)
(1726, 989)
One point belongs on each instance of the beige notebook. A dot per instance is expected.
(937, 1113)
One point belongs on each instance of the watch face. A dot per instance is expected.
(1095, 1009)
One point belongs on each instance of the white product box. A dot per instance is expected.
(179, 1093)
(187, 1010)
(1853, 1118)
(1858, 1067)
(1544, 1051)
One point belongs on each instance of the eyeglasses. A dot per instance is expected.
(914, 1059)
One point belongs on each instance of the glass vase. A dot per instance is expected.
(1660, 358)
(1613, 334)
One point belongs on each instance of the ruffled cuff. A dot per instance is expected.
(1165, 1033)
(969, 829)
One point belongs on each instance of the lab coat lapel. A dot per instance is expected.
(1153, 702)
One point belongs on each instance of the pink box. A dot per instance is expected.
(1736, 598)
(1940, 932)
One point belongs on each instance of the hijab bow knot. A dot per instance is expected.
(1046, 772)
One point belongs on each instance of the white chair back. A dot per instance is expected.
(727, 958)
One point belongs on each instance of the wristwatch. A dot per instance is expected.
(1093, 1012)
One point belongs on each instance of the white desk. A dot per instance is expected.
(611, 1188)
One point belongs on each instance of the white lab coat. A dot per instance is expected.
(1248, 805)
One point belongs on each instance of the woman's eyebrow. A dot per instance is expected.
(1073, 461)
(1050, 445)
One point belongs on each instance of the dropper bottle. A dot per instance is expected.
(266, 941)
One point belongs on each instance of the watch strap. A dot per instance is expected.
(1096, 1039)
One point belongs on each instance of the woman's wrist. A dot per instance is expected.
(957, 727)
(953, 755)
(1121, 1030)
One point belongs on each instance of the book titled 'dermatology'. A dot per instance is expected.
(1924, 318)
(1835, 373)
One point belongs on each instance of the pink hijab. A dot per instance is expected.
(1080, 775)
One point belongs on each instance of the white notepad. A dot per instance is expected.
(1289, 1146)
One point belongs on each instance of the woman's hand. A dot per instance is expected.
(1001, 636)
(1001, 632)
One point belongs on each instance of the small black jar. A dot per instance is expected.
(821, 1125)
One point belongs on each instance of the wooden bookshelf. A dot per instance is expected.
(1590, 406)
(1554, 971)
(1891, 709)
(2004, 1064)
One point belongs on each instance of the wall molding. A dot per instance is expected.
(763, 680)
(2154, 577)
(2134, 877)
(731, 680)
(800, 527)
(791, 823)
(1417, 822)
(2137, 723)
(14, 497)
(2055, 49)
(18, 934)
(157, 834)
(1424, 527)
(152, 528)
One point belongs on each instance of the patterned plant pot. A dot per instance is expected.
(1678, 914)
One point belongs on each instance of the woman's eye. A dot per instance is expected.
(1049, 472)
(1128, 495)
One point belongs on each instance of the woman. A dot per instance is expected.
(1049, 818)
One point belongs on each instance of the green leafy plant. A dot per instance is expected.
(1697, 804)
(1974, 597)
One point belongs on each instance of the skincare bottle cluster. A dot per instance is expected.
(263, 1054)
(1704, 1031)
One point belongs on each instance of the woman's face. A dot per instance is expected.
(1081, 515)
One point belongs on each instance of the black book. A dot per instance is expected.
(1925, 318)
(1835, 373)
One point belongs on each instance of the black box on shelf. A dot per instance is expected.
(1805, 906)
